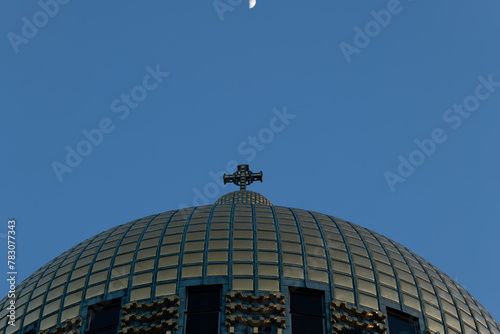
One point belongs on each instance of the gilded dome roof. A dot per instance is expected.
(246, 247)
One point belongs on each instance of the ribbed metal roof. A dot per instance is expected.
(246, 247)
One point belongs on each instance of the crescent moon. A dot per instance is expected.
(252, 3)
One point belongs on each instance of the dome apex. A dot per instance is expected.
(243, 197)
(243, 177)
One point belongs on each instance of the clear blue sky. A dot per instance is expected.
(360, 90)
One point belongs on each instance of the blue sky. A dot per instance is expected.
(383, 113)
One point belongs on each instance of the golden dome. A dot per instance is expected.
(251, 248)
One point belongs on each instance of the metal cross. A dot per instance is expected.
(243, 177)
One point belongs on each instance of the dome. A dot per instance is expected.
(249, 249)
(241, 265)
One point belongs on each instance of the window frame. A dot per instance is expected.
(306, 291)
(187, 312)
(402, 316)
(106, 304)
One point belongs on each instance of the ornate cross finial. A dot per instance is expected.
(243, 177)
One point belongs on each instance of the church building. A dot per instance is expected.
(242, 265)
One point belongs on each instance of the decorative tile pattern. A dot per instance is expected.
(151, 317)
(263, 311)
(345, 318)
